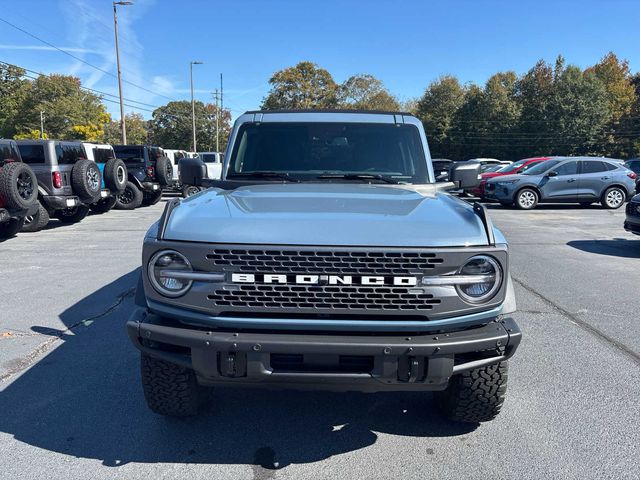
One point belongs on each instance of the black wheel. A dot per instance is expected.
(10, 228)
(18, 185)
(613, 198)
(189, 190)
(86, 180)
(37, 221)
(130, 198)
(151, 198)
(115, 175)
(170, 389)
(164, 171)
(103, 205)
(73, 214)
(526, 199)
(475, 396)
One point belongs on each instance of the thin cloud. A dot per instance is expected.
(49, 49)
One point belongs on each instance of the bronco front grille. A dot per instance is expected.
(324, 297)
(324, 261)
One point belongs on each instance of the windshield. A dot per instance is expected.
(541, 167)
(513, 166)
(305, 151)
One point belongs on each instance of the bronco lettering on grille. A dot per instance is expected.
(323, 279)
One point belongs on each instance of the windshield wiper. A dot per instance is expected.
(260, 174)
(358, 176)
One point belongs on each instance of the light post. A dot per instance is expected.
(123, 127)
(193, 105)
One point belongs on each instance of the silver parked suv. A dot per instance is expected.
(67, 182)
(583, 180)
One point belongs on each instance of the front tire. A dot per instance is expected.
(189, 190)
(527, 199)
(129, 199)
(613, 198)
(103, 205)
(475, 396)
(170, 389)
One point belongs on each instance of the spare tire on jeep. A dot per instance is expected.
(18, 185)
(164, 171)
(115, 175)
(86, 180)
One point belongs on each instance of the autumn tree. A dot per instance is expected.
(304, 86)
(14, 89)
(366, 92)
(137, 131)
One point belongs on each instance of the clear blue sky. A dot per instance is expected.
(406, 44)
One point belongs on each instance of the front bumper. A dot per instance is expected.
(498, 192)
(150, 186)
(352, 362)
(60, 202)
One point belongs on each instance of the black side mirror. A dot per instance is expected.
(552, 173)
(192, 171)
(465, 174)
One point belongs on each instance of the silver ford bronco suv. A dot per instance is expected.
(326, 257)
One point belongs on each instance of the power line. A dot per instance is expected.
(81, 60)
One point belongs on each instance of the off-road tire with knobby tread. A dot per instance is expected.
(115, 175)
(189, 190)
(18, 185)
(164, 171)
(87, 191)
(475, 396)
(170, 389)
(132, 194)
(39, 220)
(10, 228)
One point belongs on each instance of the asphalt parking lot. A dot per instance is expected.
(71, 404)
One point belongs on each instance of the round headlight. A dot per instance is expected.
(165, 269)
(485, 278)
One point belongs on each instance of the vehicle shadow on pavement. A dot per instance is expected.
(620, 247)
(84, 399)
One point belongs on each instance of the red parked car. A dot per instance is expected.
(511, 169)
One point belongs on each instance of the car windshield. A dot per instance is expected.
(306, 151)
(541, 167)
(513, 166)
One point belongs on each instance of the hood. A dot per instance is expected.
(327, 214)
(488, 175)
(506, 178)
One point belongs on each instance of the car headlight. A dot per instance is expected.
(483, 279)
(508, 182)
(167, 270)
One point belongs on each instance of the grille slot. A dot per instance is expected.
(323, 262)
(324, 297)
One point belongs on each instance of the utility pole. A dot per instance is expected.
(41, 124)
(216, 97)
(221, 98)
(193, 105)
(123, 126)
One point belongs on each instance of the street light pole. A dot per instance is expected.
(193, 105)
(123, 127)
(41, 124)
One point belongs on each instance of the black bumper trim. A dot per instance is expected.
(439, 355)
(59, 202)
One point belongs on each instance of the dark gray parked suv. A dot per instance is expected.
(67, 182)
(583, 180)
(18, 190)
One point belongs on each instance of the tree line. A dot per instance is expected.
(555, 109)
(72, 112)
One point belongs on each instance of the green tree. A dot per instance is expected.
(13, 92)
(137, 131)
(65, 104)
(171, 127)
(437, 109)
(301, 87)
(365, 92)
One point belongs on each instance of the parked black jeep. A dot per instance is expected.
(18, 190)
(148, 171)
(67, 181)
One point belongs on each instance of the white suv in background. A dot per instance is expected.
(213, 162)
